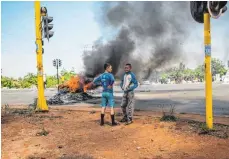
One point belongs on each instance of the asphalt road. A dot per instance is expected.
(187, 98)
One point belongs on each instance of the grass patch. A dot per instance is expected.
(6, 110)
(170, 118)
(204, 129)
(219, 130)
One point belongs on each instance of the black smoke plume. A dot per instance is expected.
(161, 27)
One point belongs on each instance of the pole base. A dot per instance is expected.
(42, 105)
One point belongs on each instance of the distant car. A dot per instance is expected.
(146, 83)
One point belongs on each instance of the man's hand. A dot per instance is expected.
(126, 91)
(109, 86)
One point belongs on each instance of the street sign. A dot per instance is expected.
(207, 50)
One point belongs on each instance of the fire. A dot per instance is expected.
(87, 86)
(75, 84)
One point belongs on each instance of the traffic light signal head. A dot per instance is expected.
(47, 27)
(60, 62)
(54, 63)
(197, 10)
(216, 8)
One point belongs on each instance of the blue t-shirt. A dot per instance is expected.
(106, 79)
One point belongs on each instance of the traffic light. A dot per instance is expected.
(214, 8)
(47, 27)
(197, 10)
(54, 63)
(60, 63)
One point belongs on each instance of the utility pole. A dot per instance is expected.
(41, 101)
(57, 63)
(41, 18)
(208, 74)
(201, 12)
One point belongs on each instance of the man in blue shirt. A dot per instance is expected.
(128, 84)
(107, 80)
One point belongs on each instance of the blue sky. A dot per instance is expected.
(76, 25)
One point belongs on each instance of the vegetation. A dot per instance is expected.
(30, 80)
(168, 116)
(176, 74)
(180, 73)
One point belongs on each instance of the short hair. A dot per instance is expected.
(128, 64)
(106, 65)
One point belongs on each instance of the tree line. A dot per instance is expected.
(30, 80)
(180, 72)
(176, 74)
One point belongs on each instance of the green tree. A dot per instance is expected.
(199, 72)
(164, 77)
(218, 67)
(29, 80)
(177, 73)
(51, 81)
(67, 75)
(7, 82)
(188, 74)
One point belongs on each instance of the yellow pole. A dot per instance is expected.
(41, 101)
(208, 74)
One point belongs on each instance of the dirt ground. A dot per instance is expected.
(70, 132)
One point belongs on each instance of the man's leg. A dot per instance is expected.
(130, 107)
(124, 106)
(111, 104)
(103, 104)
(102, 115)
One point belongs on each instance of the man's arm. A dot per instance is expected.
(121, 84)
(96, 80)
(111, 81)
(134, 81)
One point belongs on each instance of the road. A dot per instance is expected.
(187, 98)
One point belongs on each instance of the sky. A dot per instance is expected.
(76, 27)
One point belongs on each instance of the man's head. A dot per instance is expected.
(108, 67)
(127, 67)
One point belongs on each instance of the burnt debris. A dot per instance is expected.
(64, 98)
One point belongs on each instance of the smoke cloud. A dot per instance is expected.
(150, 37)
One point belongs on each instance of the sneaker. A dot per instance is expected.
(101, 123)
(129, 122)
(123, 120)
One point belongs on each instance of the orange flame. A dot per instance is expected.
(76, 84)
(87, 86)
(73, 85)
